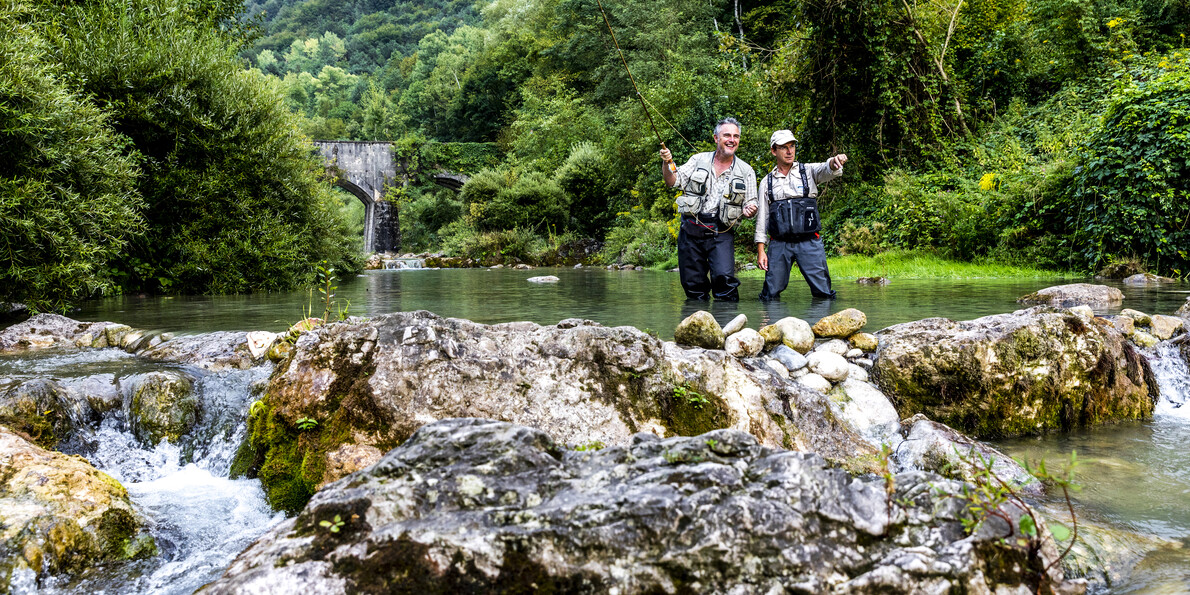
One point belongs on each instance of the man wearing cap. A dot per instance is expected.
(718, 191)
(789, 214)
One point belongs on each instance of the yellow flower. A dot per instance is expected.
(988, 181)
(1112, 24)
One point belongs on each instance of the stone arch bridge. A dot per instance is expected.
(366, 169)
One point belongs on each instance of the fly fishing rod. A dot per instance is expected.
(643, 105)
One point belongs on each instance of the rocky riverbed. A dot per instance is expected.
(754, 451)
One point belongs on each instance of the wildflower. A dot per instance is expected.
(988, 181)
(1112, 24)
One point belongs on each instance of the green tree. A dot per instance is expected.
(232, 191)
(67, 200)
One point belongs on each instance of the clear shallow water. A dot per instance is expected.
(644, 299)
(1136, 477)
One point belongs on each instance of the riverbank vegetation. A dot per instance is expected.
(1046, 134)
(141, 156)
(1038, 133)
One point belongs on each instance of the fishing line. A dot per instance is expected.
(631, 78)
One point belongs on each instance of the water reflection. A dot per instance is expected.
(644, 299)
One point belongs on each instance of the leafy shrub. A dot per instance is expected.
(866, 240)
(1132, 192)
(640, 242)
(584, 177)
(508, 199)
(424, 216)
(67, 204)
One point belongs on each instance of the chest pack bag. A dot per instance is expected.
(694, 194)
(793, 217)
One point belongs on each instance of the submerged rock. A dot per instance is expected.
(1013, 374)
(1143, 279)
(58, 514)
(471, 505)
(375, 382)
(700, 329)
(1074, 294)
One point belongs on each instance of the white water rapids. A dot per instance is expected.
(199, 518)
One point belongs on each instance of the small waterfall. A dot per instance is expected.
(399, 264)
(1173, 380)
(199, 518)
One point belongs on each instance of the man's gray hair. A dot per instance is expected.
(728, 120)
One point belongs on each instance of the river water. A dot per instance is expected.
(1136, 477)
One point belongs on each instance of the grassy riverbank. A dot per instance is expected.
(915, 264)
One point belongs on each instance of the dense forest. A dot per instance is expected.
(162, 146)
(1049, 133)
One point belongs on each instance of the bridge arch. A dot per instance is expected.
(365, 169)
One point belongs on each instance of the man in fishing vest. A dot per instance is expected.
(718, 191)
(789, 214)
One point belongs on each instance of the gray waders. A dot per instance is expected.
(810, 256)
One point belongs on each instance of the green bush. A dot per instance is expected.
(424, 217)
(640, 242)
(507, 199)
(1131, 195)
(234, 196)
(585, 178)
(67, 204)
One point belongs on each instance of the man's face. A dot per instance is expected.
(784, 153)
(727, 140)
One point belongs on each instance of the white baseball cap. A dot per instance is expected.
(781, 137)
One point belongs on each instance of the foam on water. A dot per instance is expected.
(199, 517)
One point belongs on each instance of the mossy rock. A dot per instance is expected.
(163, 406)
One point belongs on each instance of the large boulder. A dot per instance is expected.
(375, 382)
(1028, 372)
(46, 410)
(223, 350)
(1184, 311)
(162, 406)
(45, 331)
(58, 514)
(471, 505)
(1075, 294)
(930, 445)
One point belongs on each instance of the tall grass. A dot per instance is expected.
(920, 264)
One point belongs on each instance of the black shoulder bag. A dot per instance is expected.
(793, 217)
